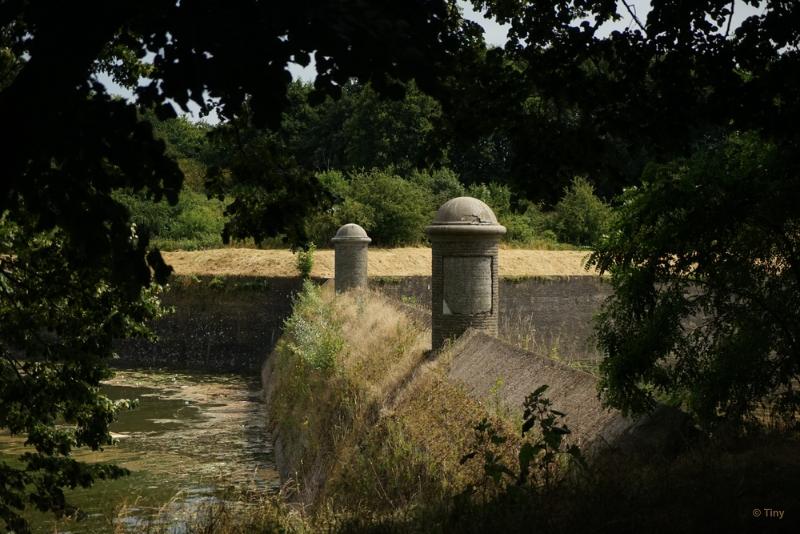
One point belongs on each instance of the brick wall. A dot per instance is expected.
(459, 267)
(350, 266)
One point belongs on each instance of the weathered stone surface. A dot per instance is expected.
(350, 262)
(543, 314)
(492, 370)
(467, 285)
(228, 324)
(465, 210)
(464, 239)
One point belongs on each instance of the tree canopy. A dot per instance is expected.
(74, 273)
(569, 97)
(709, 110)
(700, 116)
(704, 265)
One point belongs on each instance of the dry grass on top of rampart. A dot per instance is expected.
(383, 425)
(409, 261)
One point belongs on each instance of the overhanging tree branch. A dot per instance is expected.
(632, 12)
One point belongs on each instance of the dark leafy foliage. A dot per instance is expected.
(705, 264)
(703, 259)
(361, 130)
(74, 274)
(60, 316)
(566, 97)
(543, 431)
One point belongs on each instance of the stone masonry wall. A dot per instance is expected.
(229, 324)
(350, 266)
(554, 311)
(456, 268)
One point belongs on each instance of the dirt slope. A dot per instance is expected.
(382, 262)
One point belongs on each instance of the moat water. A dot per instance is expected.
(194, 442)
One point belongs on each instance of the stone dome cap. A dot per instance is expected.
(351, 233)
(465, 215)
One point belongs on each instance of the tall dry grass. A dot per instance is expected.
(519, 327)
(379, 436)
(380, 432)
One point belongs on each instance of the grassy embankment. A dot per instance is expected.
(374, 434)
(371, 426)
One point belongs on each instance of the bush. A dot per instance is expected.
(312, 336)
(443, 184)
(518, 228)
(526, 225)
(305, 261)
(580, 217)
(496, 196)
(401, 209)
(195, 222)
(394, 211)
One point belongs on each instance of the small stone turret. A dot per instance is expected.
(350, 257)
(464, 239)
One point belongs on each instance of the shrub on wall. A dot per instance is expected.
(311, 334)
(305, 261)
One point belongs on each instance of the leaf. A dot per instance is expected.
(553, 440)
(538, 391)
(527, 424)
(527, 454)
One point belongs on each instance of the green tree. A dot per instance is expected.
(194, 222)
(381, 132)
(74, 275)
(659, 95)
(580, 217)
(569, 97)
(361, 129)
(442, 183)
(705, 265)
(272, 194)
(400, 210)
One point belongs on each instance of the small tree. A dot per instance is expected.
(400, 208)
(305, 261)
(580, 217)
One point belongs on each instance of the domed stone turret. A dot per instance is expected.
(464, 210)
(352, 233)
(464, 239)
(350, 257)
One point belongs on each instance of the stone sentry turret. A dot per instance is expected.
(464, 239)
(350, 257)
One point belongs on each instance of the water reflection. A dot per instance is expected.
(192, 438)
